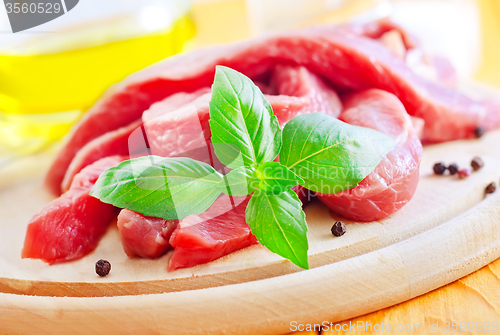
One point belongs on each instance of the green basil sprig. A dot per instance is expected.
(169, 188)
(330, 155)
(316, 151)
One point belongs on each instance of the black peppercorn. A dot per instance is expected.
(476, 163)
(491, 188)
(338, 228)
(439, 168)
(453, 168)
(479, 132)
(102, 267)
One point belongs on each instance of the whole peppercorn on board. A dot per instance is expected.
(449, 229)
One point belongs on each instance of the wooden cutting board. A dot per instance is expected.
(448, 230)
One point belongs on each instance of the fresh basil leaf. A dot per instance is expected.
(330, 155)
(244, 129)
(274, 178)
(238, 182)
(279, 224)
(169, 188)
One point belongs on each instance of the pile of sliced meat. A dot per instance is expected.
(372, 75)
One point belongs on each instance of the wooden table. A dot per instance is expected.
(473, 298)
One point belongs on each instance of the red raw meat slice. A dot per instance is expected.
(204, 238)
(144, 236)
(444, 70)
(177, 132)
(172, 103)
(300, 92)
(186, 132)
(120, 141)
(71, 226)
(303, 193)
(198, 238)
(393, 182)
(349, 61)
(110, 144)
(120, 106)
(407, 47)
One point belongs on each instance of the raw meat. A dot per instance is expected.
(349, 61)
(110, 144)
(172, 103)
(198, 239)
(304, 194)
(144, 236)
(71, 226)
(300, 91)
(377, 29)
(406, 47)
(374, 66)
(185, 131)
(393, 182)
(211, 236)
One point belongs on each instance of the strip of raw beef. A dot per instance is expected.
(144, 236)
(120, 142)
(204, 238)
(172, 131)
(71, 226)
(186, 132)
(347, 60)
(393, 182)
(172, 103)
(303, 193)
(199, 239)
(299, 92)
(178, 133)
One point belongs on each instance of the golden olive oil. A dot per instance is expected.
(489, 68)
(41, 95)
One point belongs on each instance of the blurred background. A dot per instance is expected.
(50, 74)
